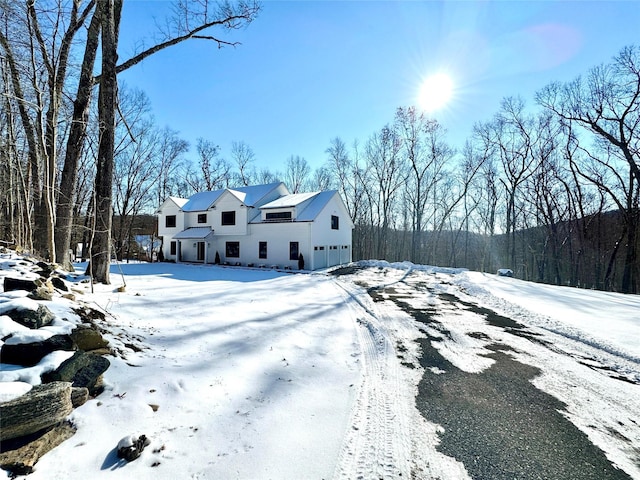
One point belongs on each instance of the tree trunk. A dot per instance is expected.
(77, 133)
(101, 248)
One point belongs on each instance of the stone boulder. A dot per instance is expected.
(31, 318)
(21, 460)
(130, 447)
(42, 407)
(46, 269)
(30, 354)
(11, 283)
(41, 293)
(59, 283)
(87, 338)
(79, 396)
(82, 370)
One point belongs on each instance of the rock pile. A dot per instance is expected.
(33, 423)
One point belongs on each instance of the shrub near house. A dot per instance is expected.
(257, 225)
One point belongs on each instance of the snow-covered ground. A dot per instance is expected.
(257, 374)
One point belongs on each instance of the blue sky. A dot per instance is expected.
(308, 71)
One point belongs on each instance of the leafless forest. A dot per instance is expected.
(547, 186)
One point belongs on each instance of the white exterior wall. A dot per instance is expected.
(169, 208)
(327, 245)
(278, 237)
(227, 203)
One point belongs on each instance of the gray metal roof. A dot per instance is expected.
(198, 233)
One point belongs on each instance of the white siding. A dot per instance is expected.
(169, 208)
(229, 203)
(278, 237)
(333, 241)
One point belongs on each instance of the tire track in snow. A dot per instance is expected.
(376, 438)
(386, 437)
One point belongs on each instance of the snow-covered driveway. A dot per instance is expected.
(518, 386)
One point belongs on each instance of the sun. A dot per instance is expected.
(436, 92)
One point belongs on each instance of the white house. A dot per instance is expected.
(261, 225)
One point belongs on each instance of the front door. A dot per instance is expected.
(201, 251)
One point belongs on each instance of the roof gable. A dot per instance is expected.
(178, 202)
(250, 196)
(201, 201)
(316, 205)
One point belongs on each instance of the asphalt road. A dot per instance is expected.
(497, 423)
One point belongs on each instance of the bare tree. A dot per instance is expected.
(191, 20)
(171, 148)
(75, 142)
(509, 138)
(426, 154)
(135, 176)
(296, 175)
(321, 179)
(107, 105)
(607, 104)
(244, 158)
(388, 174)
(215, 171)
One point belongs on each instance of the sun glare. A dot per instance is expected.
(436, 91)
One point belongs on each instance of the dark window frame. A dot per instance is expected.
(173, 248)
(262, 250)
(335, 222)
(202, 218)
(232, 249)
(170, 221)
(228, 218)
(294, 250)
(278, 216)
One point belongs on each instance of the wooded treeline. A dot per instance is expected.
(548, 189)
(58, 116)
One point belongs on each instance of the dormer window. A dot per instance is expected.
(202, 218)
(278, 216)
(229, 218)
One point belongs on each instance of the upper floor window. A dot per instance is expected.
(229, 218)
(335, 222)
(170, 221)
(202, 218)
(273, 216)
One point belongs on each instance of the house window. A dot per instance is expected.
(262, 250)
(232, 249)
(229, 218)
(293, 250)
(335, 222)
(202, 218)
(170, 221)
(275, 216)
(173, 248)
